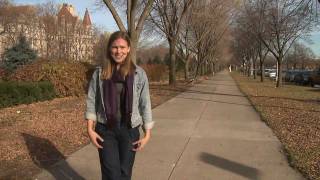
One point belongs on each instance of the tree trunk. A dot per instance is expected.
(262, 71)
(212, 68)
(172, 69)
(133, 46)
(202, 69)
(197, 66)
(186, 68)
(243, 68)
(279, 71)
(254, 69)
(186, 73)
(246, 70)
(133, 53)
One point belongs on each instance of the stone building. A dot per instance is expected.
(64, 36)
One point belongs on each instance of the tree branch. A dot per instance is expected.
(115, 15)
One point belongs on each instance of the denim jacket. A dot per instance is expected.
(141, 104)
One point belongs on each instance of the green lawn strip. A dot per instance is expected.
(293, 113)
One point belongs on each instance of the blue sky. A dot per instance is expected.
(103, 18)
(315, 46)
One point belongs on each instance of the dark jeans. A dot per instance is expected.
(116, 156)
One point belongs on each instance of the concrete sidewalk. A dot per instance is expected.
(210, 132)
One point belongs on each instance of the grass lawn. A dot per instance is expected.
(293, 113)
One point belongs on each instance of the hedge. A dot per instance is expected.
(14, 93)
(68, 78)
(155, 72)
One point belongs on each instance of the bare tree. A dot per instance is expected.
(16, 21)
(100, 47)
(259, 47)
(210, 21)
(4, 5)
(299, 56)
(262, 54)
(201, 33)
(168, 17)
(136, 14)
(243, 47)
(47, 13)
(184, 47)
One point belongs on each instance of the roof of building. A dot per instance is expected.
(68, 13)
(86, 19)
(65, 12)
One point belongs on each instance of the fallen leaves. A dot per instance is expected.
(293, 112)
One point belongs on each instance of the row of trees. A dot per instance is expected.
(266, 27)
(193, 29)
(300, 57)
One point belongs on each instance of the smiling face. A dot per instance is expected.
(119, 50)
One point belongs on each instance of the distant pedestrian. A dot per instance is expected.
(118, 103)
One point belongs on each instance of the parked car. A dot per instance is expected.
(290, 74)
(315, 78)
(267, 72)
(303, 77)
(273, 73)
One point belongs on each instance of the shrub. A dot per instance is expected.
(14, 93)
(19, 54)
(155, 72)
(68, 78)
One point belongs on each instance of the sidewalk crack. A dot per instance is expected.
(185, 146)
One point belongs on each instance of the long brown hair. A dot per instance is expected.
(108, 64)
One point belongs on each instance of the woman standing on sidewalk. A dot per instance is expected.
(118, 103)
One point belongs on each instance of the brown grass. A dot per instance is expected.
(293, 113)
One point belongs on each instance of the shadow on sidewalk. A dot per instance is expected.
(234, 167)
(44, 154)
